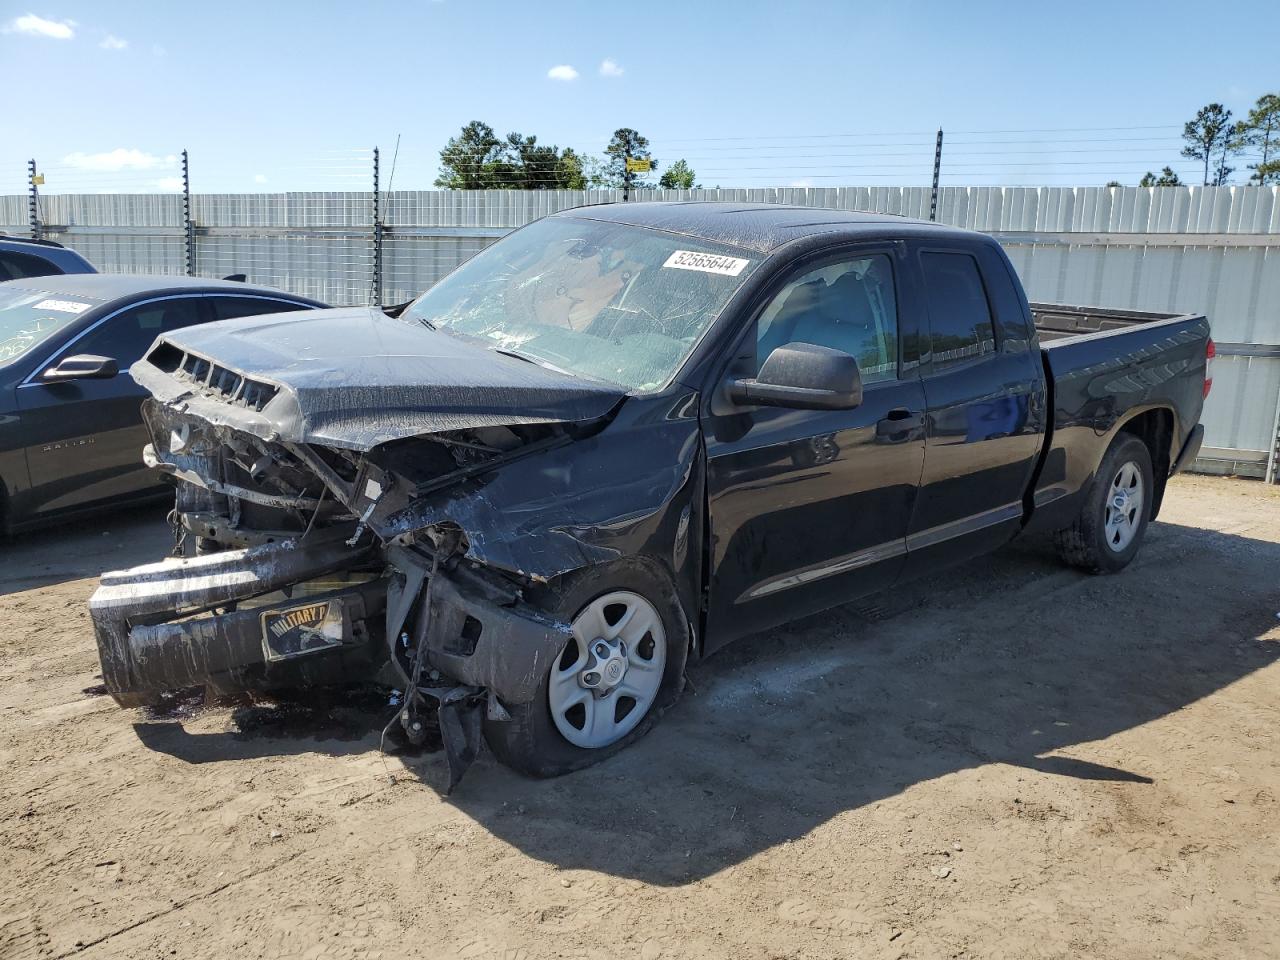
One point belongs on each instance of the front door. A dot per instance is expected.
(90, 432)
(810, 508)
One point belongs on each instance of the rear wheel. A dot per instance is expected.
(1106, 535)
(621, 669)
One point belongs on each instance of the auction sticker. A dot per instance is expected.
(706, 263)
(62, 306)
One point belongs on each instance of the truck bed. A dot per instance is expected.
(1102, 365)
(1057, 322)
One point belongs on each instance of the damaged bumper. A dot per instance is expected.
(311, 611)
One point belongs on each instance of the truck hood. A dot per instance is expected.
(355, 378)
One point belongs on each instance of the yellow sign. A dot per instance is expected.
(38, 179)
(639, 165)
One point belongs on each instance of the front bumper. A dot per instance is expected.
(297, 613)
(182, 622)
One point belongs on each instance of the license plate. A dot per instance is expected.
(302, 629)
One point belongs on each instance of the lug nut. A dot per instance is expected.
(591, 679)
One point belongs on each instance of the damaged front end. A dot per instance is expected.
(402, 550)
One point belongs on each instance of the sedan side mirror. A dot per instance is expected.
(83, 366)
(803, 376)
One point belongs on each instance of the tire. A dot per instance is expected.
(1106, 535)
(534, 741)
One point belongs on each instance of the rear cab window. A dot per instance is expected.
(960, 321)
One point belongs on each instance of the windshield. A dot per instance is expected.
(29, 317)
(603, 300)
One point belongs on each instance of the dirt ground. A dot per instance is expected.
(1011, 761)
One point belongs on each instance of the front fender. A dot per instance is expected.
(632, 489)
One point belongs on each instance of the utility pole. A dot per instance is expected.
(626, 176)
(188, 226)
(33, 204)
(376, 292)
(937, 170)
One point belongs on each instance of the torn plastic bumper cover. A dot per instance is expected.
(290, 613)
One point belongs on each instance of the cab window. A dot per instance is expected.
(848, 305)
(960, 322)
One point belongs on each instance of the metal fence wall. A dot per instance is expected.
(1206, 249)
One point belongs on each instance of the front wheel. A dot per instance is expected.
(621, 669)
(1117, 507)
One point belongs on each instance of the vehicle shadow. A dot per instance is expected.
(83, 548)
(1010, 659)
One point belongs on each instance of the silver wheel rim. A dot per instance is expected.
(1125, 501)
(608, 676)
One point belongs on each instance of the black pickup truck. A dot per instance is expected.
(618, 439)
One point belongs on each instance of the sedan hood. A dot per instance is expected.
(356, 378)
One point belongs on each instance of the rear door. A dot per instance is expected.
(985, 393)
(88, 434)
(808, 508)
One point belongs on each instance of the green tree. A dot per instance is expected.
(525, 165)
(679, 176)
(467, 160)
(1262, 133)
(1211, 136)
(573, 174)
(626, 143)
(1167, 178)
(477, 160)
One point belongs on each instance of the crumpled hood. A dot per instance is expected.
(354, 378)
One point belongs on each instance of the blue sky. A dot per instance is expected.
(292, 95)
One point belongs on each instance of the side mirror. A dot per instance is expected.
(803, 376)
(83, 366)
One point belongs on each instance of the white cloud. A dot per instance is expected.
(562, 72)
(40, 27)
(159, 51)
(112, 42)
(169, 183)
(610, 68)
(118, 159)
(259, 178)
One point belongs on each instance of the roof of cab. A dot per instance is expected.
(762, 227)
(114, 286)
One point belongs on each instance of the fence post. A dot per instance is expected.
(377, 235)
(188, 227)
(33, 204)
(937, 169)
(1273, 448)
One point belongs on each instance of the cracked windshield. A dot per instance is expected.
(602, 300)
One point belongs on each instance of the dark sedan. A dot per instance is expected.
(71, 434)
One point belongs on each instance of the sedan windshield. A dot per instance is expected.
(602, 300)
(29, 317)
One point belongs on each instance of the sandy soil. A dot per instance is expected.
(1014, 760)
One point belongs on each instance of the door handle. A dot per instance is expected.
(898, 425)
